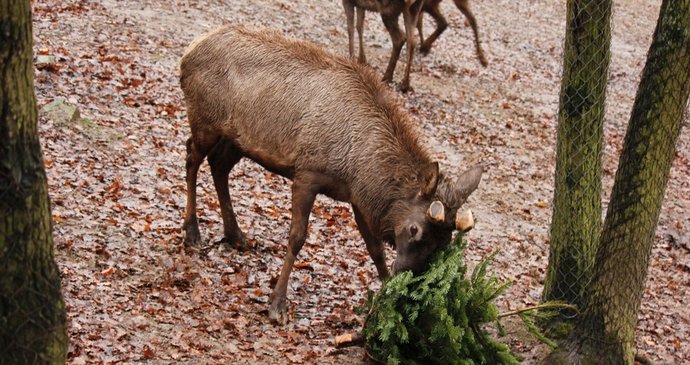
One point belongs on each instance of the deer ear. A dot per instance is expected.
(429, 180)
(468, 182)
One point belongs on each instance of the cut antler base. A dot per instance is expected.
(464, 221)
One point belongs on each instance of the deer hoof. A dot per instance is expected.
(236, 241)
(278, 312)
(405, 87)
(192, 237)
(483, 60)
(236, 237)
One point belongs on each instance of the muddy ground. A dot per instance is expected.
(117, 186)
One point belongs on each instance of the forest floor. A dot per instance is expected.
(116, 177)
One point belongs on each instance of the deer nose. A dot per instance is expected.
(394, 268)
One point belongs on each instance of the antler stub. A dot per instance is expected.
(436, 212)
(464, 221)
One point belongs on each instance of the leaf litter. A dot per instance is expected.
(117, 187)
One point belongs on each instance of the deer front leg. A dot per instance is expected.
(303, 193)
(360, 30)
(375, 247)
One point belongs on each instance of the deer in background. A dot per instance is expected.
(390, 11)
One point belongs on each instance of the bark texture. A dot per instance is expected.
(605, 333)
(32, 312)
(576, 220)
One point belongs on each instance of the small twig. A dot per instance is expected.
(535, 307)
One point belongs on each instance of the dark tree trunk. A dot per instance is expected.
(576, 220)
(32, 313)
(605, 332)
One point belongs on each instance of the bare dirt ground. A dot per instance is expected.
(117, 180)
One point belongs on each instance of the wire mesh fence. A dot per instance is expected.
(32, 318)
(577, 205)
(32, 313)
(581, 244)
(656, 120)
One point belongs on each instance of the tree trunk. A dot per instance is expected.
(605, 333)
(576, 220)
(32, 313)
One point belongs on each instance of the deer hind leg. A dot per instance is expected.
(420, 26)
(222, 158)
(360, 29)
(410, 14)
(441, 24)
(304, 190)
(464, 7)
(391, 24)
(375, 247)
(197, 149)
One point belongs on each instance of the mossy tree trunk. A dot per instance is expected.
(605, 333)
(576, 222)
(32, 312)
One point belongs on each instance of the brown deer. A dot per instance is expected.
(390, 11)
(328, 124)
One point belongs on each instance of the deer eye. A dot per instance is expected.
(413, 230)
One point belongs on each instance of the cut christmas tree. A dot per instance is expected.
(438, 316)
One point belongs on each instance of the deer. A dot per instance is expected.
(390, 11)
(332, 127)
